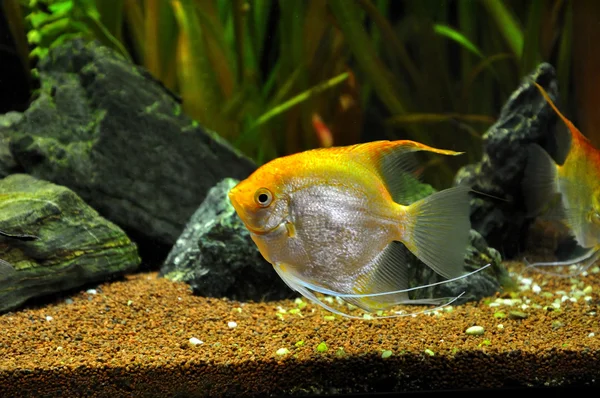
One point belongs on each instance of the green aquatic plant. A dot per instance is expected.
(498, 42)
(262, 90)
(276, 77)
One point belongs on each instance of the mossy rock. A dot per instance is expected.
(74, 246)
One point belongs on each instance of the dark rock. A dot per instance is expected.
(75, 246)
(7, 162)
(217, 257)
(525, 118)
(104, 128)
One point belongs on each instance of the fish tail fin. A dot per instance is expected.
(540, 180)
(438, 230)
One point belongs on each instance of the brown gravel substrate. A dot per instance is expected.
(132, 338)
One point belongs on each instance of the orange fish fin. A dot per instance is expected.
(438, 228)
(540, 180)
(574, 130)
(396, 164)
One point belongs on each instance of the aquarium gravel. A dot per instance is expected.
(148, 336)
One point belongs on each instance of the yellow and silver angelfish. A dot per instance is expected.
(331, 220)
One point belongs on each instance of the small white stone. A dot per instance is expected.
(232, 324)
(526, 281)
(282, 351)
(591, 334)
(536, 288)
(49, 318)
(500, 326)
(91, 291)
(195, 341)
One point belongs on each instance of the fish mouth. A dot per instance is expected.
(259, 232)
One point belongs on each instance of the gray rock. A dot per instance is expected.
(104, 128)
(525, 118)
(7, 162)
(75, 246)
(217, 257)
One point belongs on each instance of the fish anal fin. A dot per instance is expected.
(389, 273)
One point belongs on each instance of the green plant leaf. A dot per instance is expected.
(439, 117)
(300, 98)
(507, 24)
(348, 18)
(458, 37)
(531, 56)
(564, 62)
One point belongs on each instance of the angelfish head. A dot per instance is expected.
(260, 202)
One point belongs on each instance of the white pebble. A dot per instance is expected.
(526, 281)
(282, 351)
(91, 291)
(501, 326)
(475, 330)
(536, 288)
(591, 334)
(196, 341)
(49, 318)
(232, 324)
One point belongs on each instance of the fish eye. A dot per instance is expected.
(263, 197)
